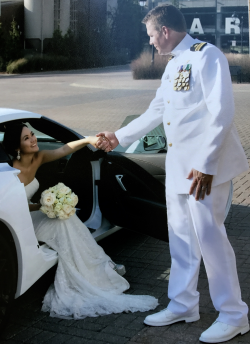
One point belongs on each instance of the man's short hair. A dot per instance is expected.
(166, 15)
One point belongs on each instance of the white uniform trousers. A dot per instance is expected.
(196, 228)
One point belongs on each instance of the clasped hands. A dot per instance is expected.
(107, 141)
(201, 184)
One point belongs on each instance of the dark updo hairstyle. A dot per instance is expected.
(12, 137)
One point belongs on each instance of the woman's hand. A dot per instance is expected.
(93, 141)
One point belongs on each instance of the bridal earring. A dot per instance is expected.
(18, 155)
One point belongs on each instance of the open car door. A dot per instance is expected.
(132, 192)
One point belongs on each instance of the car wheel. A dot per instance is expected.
(8, 276)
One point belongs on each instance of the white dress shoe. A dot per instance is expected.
(120, 269)
(165, 317)
(220, 332)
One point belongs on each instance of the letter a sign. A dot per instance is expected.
(196, 27)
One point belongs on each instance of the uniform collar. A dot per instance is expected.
(183, 45)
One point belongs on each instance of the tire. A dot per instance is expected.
(8, 274)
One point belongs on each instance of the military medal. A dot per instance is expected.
(182, 78)
(170, 57)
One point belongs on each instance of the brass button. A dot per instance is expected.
(168, 101)
(168, 123)
(170, 144)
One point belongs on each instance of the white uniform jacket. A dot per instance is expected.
(198, 122)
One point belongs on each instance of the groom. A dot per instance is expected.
(195, 104)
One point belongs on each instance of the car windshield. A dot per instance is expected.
(138, 147)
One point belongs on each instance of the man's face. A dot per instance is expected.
(159, 39)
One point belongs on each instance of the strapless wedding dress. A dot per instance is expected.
(85, 284)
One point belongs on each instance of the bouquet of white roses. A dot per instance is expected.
(58, 201)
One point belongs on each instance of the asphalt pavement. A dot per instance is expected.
(91, 101)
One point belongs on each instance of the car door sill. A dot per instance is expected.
(105, 230)
(95, 219)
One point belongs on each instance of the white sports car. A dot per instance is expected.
(118, 189)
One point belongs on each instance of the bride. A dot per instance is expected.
(86, 283)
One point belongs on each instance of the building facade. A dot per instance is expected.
(43, 17)
(223, 23)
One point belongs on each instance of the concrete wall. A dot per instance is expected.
(39, 19)
(65, 16)
(39, 22)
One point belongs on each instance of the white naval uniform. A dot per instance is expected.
(201, 135)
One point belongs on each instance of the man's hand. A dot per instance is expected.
(109, 144)
(202, 182)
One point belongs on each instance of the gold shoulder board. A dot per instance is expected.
(198, 46)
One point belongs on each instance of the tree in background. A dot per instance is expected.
(14, 44)
(10, 44)
(176, 3)
(2, 45)
(62, 45)
(126, 27)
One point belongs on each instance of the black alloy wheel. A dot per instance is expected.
(8, 276)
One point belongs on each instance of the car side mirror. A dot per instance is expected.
(151, 142)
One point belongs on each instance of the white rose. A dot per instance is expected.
(62, 199)
(67, 208)
(48, 199)
(45, 209)
(59, 186)
(69, 201)
(73, 211)
(62, 215)
(58, 207)
(52, 189)
(45, 192)
(51, 215)
(64, 190)
(74, 198)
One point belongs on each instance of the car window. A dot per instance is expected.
(46, 142)
(137, 147)
(1, 136)
(41, 137)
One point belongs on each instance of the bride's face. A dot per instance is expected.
(28, 142)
